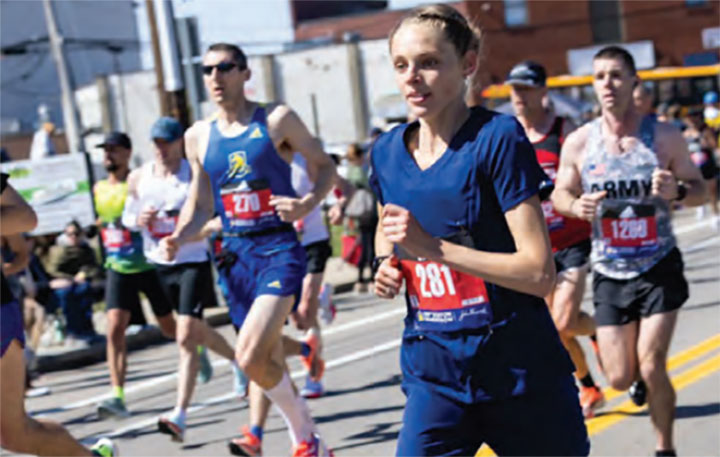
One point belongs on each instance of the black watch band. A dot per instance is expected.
(681, 192)
(376, 263)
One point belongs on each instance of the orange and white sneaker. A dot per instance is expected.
(248, 445)
(591, 399)
(314, 447)
(313, 360)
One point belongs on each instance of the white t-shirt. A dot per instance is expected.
(167, 194)
(313, 226)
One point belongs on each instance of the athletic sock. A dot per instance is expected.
(257, 431)
(293, 409)
(179, 415)
(119, 392)
(587, 380)
(666, 453)
(305, 349)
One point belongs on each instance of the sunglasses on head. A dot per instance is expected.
(222, 67)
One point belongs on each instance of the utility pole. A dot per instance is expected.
(157, 59)
(167, 61)
(71, 117)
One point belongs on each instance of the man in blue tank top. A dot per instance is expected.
(621, 172)
(239, 173)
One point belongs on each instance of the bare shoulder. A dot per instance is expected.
(575, 142)
(278, 114)
(195, 136)
(133, 179)
(670, 145)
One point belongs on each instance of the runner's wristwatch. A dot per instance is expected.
(681, 192)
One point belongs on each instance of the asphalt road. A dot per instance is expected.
(362, 411)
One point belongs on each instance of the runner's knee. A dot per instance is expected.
(188, 333)
(652, 370)
(620, 379)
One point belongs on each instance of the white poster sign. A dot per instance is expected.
(58, 189)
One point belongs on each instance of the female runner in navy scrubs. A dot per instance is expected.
(461, 225)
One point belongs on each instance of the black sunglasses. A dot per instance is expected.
(222, 67)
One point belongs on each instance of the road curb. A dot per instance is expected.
(75, 358)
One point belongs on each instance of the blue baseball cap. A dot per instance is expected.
(710, 97)
(166, 128)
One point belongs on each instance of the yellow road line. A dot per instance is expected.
(677, 360)
(684, 379)
(680, 381)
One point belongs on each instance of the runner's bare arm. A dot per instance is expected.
(568, 198)
(388, 278)
(286, 127)
(16, 215)
(131, 210)
(199, 207)
(680, 168)
(530, 269)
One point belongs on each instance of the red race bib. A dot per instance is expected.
(163, 226)
(630, 231)
(247, 205)
(436, 287)
(115, 238)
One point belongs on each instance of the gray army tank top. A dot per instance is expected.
(632, 230)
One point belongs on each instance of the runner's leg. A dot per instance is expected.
(656, 332)
(117, 322)
(618, 351)
(261, 355)
(18, 432)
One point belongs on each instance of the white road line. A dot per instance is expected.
(689, 228)
(701, 245)
(355, 356)
(216, 364)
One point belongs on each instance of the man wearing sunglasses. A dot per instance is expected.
(241, 170)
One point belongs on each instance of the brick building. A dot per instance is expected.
(545, 30)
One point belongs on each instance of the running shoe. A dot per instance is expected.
(112, 407)
(172, 426)
(240, 381)
(205, 372)
(638, 393)
(591, 399)
(248, 444)
(314, 447)
(312, 389)
(105, 447)
(310, 361)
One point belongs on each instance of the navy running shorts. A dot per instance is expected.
(541, 422)
(272, 264)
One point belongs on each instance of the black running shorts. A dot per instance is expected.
(189, 286)
(661, 289)
(122, 292)
(573, 257)
(317, 255)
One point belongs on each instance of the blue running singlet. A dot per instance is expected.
(245, 170)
